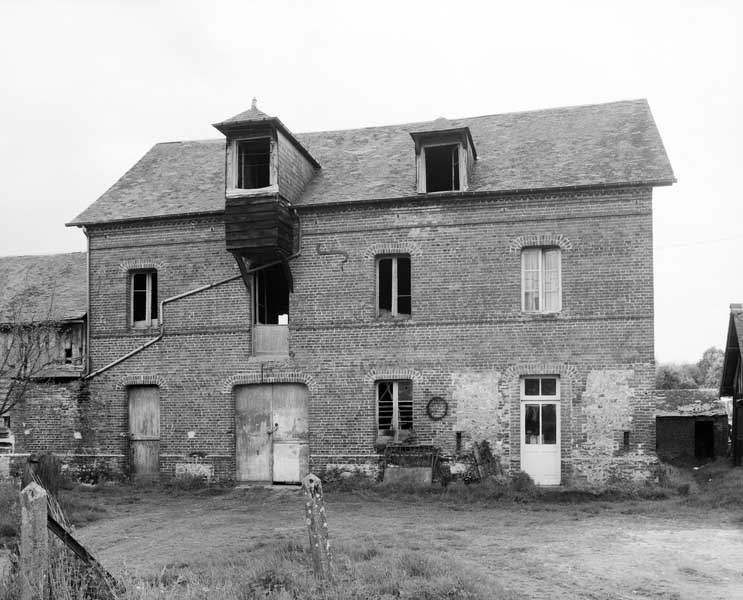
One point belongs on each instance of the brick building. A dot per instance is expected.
(43, 303)
(268, 302)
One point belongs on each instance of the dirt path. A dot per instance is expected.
(540, 551)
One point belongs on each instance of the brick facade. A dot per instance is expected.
(466, 338)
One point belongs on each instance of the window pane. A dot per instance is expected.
(531, 387)
(549, 386)
(552, 280)
(253, 169)
(139, 282)
(405, 404)
(385, 285)
(139, 305)
(153, 280)
(549, 423)
(440, 168)
(530, 278)
(403, 275)
(531, 423)
(385, 404)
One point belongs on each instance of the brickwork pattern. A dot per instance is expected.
(466, 317)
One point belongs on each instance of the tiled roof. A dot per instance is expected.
(595, 145)
(681, 403)
(43, 288)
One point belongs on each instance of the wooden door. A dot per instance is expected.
(144, 431)
(253, 431)
(271, 433)
(290, 440)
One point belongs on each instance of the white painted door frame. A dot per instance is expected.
(540, 447)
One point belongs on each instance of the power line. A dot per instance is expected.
(700, 242)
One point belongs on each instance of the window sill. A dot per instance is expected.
(393, 318)
(138, 329)
(241, 193)
(547, 315)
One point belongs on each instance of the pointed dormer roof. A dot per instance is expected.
(442, 126)
(251, 115)
(254, 117)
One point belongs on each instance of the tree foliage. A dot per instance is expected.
(705, 373)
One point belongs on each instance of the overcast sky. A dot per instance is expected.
(89, 87)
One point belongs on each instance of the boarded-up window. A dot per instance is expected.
(144, 301)
(394, 409)
(394, 286)
(540, 280)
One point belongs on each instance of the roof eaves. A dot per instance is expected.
(229, 126)
(484, 193)
(146, 218)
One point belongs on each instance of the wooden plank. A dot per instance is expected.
(253, 448)
(144, 431)
(112, 585)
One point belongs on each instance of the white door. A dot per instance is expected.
(540, 429)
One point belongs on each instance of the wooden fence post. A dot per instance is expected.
(317, 525)
(34, 542)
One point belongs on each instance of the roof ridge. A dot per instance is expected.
(42, 254)
(483, 116)
(418, 123)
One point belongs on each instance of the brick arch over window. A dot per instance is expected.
(392, 373)
(273, 377)
(138, 265)
(565, 371)
(393, 248)
(128, 380)
(545, 239)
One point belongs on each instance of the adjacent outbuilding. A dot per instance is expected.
(691, 426)
(732, 380)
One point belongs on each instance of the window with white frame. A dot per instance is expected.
(539, 396)
(144, 302)
(394, 410)
(393, 286)
(540, 280)
(253, 167)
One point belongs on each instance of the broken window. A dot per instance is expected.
(540, 280)
(253, 163)
(393, 286)
(144, 299)
(442, 168)
(271, 297)
(394, 410)
(67, 343)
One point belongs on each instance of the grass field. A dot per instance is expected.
(679, 541)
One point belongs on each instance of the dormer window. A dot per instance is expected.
(442, 168)
(253, 163)
(445, 158)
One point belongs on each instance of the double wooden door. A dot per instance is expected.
(271, 432)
